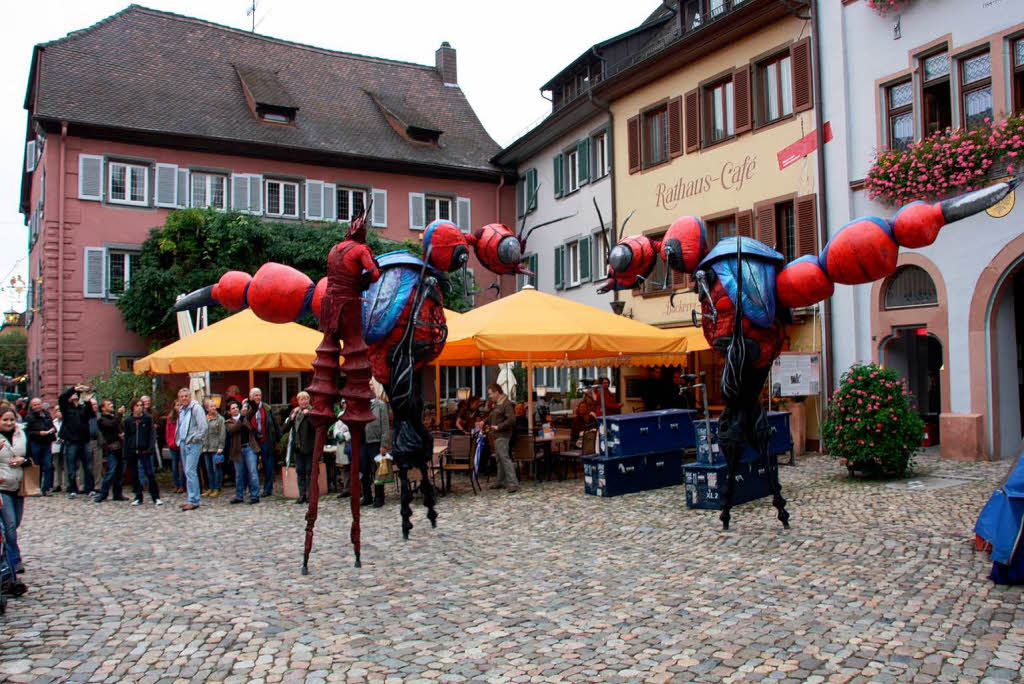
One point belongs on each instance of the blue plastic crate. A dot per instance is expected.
(618, 475)
(650, 432)
(705, 481)
(781, 440)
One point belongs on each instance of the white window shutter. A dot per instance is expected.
(462, 207)
(314, 200)
(95, 284)
(380, 208)
(30, 156)
(90, 177)
(166, 185)
(239, 192)
(417, 211)
(330, 202)
(255, 194)
(182, 198)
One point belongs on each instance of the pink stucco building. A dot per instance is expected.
(149, 111)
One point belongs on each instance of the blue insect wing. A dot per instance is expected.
(759, 275)
(384, 300)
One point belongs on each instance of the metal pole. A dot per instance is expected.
(529, 395)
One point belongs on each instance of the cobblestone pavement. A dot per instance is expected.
(871, 583)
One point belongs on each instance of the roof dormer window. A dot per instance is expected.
(266, 96)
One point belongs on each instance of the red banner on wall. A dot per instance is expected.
(802, 147)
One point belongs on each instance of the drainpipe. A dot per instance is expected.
(497, 199)
(60, 258)
(819, 124)
(604, 106)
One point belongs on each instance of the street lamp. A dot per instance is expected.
(462, 393)
(617, 307)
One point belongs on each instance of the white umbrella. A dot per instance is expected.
(198, 383)
(507, 378)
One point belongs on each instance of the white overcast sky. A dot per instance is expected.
(506, 50)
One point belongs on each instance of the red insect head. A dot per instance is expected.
(498, 248)
(632, 259)
(445, 246)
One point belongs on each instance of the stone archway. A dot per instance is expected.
(984, 362)
(886, 321)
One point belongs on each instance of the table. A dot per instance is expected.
(548, 444)
(438, 459)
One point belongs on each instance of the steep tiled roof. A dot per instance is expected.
(158, 72)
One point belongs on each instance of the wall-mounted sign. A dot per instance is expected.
(802, 147)
(1003, 206)
(732, 176)
(796, 374)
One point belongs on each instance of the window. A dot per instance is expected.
(775, 86)
(899, 101)
(572, 263)
(976, 89)
(452, 378)
(1018, 75)
(209, 190)
(351, 202)
(655, 136)
(785, 226)
(720, 229)
(718, 112)
(282, 199)
(910, 287)
(599, 154)
(125, 362)
(572, 160)
(600, 264)
(936, 100)
(275, 117)
(530, 261)
(438, 208)
(526, 193)
(129, 183)
(119, 271)
(283, 386)
(661, 278)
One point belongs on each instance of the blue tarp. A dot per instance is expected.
(1000, 524)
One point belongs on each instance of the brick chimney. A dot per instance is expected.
(444, 61)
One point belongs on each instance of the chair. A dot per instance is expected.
(575, 456)
(524, 453)
(459, 457)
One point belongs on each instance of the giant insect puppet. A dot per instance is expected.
(747, 293)
(388, 313)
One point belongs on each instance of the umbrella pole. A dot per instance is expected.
(437, 395)
(252, 382)
(529, 395)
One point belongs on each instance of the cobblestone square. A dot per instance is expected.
(872, 583)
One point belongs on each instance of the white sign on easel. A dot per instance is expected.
(796, 374)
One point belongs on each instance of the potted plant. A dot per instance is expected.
(871, 425)
(883, 7)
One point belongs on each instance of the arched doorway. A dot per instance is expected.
(917, 355)
(1007, 341)
(910, 328)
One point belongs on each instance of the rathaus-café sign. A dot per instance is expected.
(731, 176)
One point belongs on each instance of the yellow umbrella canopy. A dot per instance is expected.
(240, 342)
(546, 330)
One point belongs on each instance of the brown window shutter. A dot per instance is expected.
(692, 122)
(741, 99)
(745, 223)
(766, 230)
(633, 138)
(803, 90)
(675, 127)
(806, 225)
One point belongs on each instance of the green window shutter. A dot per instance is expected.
(520, 194)
(559, 267)
(583, 150)
(558, 175)
(531, 189)
(584, 259)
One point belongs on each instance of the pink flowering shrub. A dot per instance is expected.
(883, 7)
(946, 163)
(870, 424)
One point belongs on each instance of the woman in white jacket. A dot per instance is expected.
(12, 460)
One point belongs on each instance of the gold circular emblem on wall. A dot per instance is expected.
(1004, 206)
